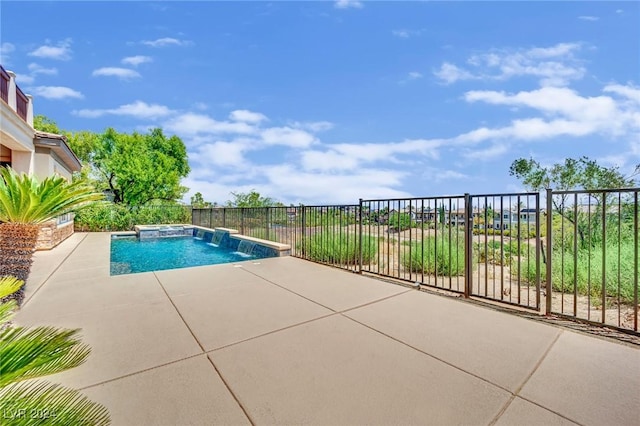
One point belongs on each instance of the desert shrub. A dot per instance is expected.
(104, 217)
(116, 217)
(400, 221)
(441, 256)
(499, 252)
(586, 271)
(340, 248)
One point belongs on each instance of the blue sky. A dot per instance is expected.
(328, 102)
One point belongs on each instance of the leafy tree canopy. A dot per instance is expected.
(136, 168)
(582, 173)
(251, 199)
(197, 201)
(45, 124)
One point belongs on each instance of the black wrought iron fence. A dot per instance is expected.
(592, 247)
(420, 240)
(577, 250)
(505, 248)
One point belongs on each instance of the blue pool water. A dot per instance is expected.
(131, 255)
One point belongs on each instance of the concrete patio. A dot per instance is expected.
(286, 341)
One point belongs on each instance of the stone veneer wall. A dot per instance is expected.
(51, 234)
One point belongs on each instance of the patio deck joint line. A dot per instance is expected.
(178, 312)
(430, 355)
(203, 350)
(364, 305)
(135, 373)
(272, 332)
(54, 271)
(289, 290)
(524, 382)
(246, 413)
(320, 304)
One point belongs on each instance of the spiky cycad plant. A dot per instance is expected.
(24, 204)
(36, 352)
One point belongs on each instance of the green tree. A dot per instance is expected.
(136, 168)
(24, 204)
(580, 174)
(251, 199)
(45, 124)
(33, 353)
(197, 201)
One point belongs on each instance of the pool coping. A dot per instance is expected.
(233, 233)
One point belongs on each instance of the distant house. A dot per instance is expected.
(455, 217)
(427, 214)
(507, 219)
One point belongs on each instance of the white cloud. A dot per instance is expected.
(348, 4)
(345, 188)
(347, 156)
(247, 116)
(36, 69)
(313, 126)
(450, 73)
(224, 153)
(136, 60)
(138, 109)
(5, 49)
(401, 33)
(55, 92)
(483, 154)
(62, 51)
(404, 33)
(121, 73)
(411, 76)
(553, 66)
(25, 79)
(553, 100)
(558, 50)
(191, 124)
(588, 18)
(166, 41)
(328, 161)
(630, 92)
(287, 136)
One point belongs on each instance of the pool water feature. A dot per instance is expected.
(131, 253)
(246, 247)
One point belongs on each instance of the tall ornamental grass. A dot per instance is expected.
(340, 249)
(435, 256)
(586, 271)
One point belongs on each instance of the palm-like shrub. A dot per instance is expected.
(36, 352)
(24, 204)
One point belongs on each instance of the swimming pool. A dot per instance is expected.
(131, 255)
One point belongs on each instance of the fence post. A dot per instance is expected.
(268, 216)
(224, 217)
(549, 249)
(193, 216)
(304, 232)
(242, 209)
(360, 237)
(468, 245)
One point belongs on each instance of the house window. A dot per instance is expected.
(506, 216)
